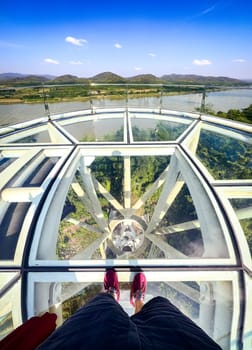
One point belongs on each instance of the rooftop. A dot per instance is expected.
(149, 188)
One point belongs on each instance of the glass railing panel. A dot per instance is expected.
(93, 129)
(20, 104)
(228, 99)
(185, 102)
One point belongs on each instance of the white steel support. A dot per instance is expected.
(127, 182)
(90, 190)
(170, 191)
(165, 247)
(55, 135)
(192, 140)
(106, 194)
(155, 186)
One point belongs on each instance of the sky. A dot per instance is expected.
(128, 38)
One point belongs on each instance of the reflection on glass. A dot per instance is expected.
(113, 210)
(180, 228)
(156, 130)
(6, 324)
(41, 137)
(109, 172)
(11, 225)
(243, 209)
(5, 162)
(208, 303)
(105, 130)
(144, 172)
(77, 229)
(36, 176)
(225, 157)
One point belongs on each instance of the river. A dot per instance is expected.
(220, 100)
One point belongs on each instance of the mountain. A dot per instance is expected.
(7, 76)
(16, 79)
(107, 77)
(199, 79)
(68, 79)
(145, 79)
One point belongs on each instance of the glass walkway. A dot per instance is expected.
(151, 189)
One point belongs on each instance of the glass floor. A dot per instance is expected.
(164, 192)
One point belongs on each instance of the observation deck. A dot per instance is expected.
(150, 188)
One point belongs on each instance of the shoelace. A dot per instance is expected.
(112, 291)
(139, 295)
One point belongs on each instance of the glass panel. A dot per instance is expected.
(6, 324)
(78, 229)
(11, 225)
(156, 130)
(182, 102)
(208, 303)
(225, 157)
(104, 130)
(37, 175)
(5, 162)
(10, 308)
(109, 172)
(118, 211)
(6, 277)
(39, 134)
(243, 209)
(41, 137)
(180, 234)
(144, 172)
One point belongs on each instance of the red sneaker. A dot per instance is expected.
(138, 288)
(111, 284)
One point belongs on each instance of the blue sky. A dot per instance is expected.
(85, 38)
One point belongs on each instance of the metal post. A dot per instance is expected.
(161, 99)
(47, 111)
(203, 102)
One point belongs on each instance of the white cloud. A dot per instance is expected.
(118, 46)
(75, 62)
(138, 68)
(203, 62)
(152, 54)
(75, 41)
(51, 60)
(207, 10)
(239, 60)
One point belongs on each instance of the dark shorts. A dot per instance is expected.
(103, 324)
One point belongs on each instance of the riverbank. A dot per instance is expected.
(91, 97)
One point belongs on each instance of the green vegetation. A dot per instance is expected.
(225, 157)
(72, 237)
(244, 115)
(246, 224)
(71, 305)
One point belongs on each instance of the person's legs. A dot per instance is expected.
(162, 325)
(101, 323)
